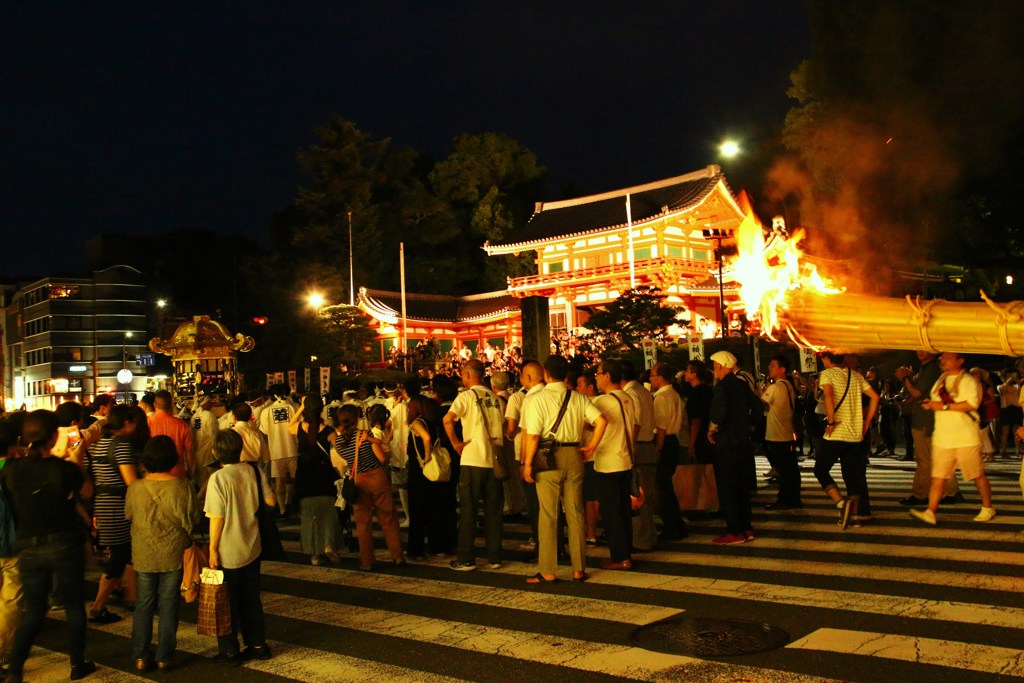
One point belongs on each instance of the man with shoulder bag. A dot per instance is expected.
(480, 473)
(557, 414)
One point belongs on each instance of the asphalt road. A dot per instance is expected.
(893, 600)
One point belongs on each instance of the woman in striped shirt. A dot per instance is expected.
(112, 465)
(367, 462)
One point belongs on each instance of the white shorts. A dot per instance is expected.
(283, 468)
(946, 460)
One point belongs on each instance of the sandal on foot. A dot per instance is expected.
(540, 578)
(581, 578)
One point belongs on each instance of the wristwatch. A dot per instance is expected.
(945, 406)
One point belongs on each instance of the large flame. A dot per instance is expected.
(769, 270)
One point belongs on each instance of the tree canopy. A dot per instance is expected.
(637, 314)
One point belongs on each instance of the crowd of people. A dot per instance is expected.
(571, 450)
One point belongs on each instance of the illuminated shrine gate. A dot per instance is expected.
(449, 321)
(204, 354)
(591, 249)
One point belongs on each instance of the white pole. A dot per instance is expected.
(632, 264)
(351, 271)
(401, 269)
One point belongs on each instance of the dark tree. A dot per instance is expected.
(637, 313)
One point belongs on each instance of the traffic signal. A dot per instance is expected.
(260, 320)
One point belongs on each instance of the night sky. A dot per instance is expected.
(150, 117)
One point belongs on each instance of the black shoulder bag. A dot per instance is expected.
(270, 537)
(544, 458)
(636, 491)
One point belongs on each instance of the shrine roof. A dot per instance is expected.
(595, 213)
(386, 305)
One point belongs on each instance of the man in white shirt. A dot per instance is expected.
(478, 410)
(668, 420)
(532, 379)
(284, 448)
(645, 534)
(564, 482)
(254, 444)
(514, 503)
(327, 415)
(955, 399)
(204, 430)
(779, 398)
(613, 464)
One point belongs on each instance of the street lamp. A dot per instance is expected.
(718, 235)
(315, 299)
(729, 149)
(124, 375)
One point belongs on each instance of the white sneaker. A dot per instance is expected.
(985, 515)
(926, 516)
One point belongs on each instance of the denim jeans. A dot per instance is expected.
(163, 588)
(63, 559)
(10, 603)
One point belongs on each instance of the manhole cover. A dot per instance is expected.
(710, 637)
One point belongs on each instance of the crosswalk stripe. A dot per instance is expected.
(623, 612)
(870, 603)
(47, 666)
(290, 660)
(940, 554)
(624, 661)
(880, 527)
(969, 656)
(792, 567)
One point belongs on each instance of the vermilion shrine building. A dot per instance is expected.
(589, 250)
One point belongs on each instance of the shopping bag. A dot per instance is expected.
(194, 560)
(214, 607)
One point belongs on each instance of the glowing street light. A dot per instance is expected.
(315, 299)
(729, 149)
(1009, 279)
(161, 303)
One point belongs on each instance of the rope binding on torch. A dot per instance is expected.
(923, 316)
(1005, 314)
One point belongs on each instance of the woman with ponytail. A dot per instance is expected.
(44, 492)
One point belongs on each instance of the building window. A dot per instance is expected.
(556, 267)
(643, 253)
(64, 291)
(674, 252)
(558, 325)
(700, 255)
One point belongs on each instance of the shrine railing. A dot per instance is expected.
(645, 270)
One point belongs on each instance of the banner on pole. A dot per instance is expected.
(278, 378)
(270, 379)
(325, 379)
(650, 348)
(292, 380)
(808, 361)
(696, 344)
(305, 381)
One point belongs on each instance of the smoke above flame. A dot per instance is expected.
(769, 268)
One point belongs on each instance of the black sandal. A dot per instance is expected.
(581, 578)
(540, 578)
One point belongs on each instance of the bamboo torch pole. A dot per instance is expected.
(858, 322)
